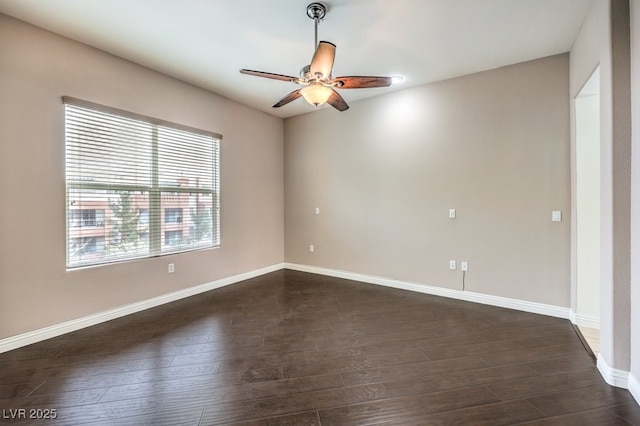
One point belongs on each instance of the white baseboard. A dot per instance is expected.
(503, 302)
(613, 376)
(28, 338)
(634, 387)
(585, 321)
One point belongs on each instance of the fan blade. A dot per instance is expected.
(290, 97)
(323, 58)
(358, 82)
(270, 75)
(336, 101)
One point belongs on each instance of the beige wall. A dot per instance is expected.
(493, 145)
(604, 40)
(36, 69)
(635, 235)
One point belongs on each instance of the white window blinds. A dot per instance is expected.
(136, 186)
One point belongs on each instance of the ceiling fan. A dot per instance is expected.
(318, 83)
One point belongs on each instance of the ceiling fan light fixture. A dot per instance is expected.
(316, 94)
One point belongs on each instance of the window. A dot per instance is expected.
(144, 217)
(86, 218)
(136, 186)
(172, 238)
(87, 246)
(173, 215)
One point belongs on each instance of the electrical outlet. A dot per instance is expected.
(311, 248)
(464, 266)
(452, 265)
(317, 210)
(171, 268)
(452, 213)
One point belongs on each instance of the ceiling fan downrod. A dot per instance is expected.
(317, 12)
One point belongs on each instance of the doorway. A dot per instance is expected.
(587, 113)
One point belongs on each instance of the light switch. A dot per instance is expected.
(452, 213)
(556, 216)
(317, 210)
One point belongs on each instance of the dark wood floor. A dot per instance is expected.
(290, 348)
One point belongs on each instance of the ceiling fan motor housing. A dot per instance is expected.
(305, 73)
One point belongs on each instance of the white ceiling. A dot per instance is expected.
(206, 42)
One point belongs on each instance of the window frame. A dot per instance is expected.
(156, 190)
